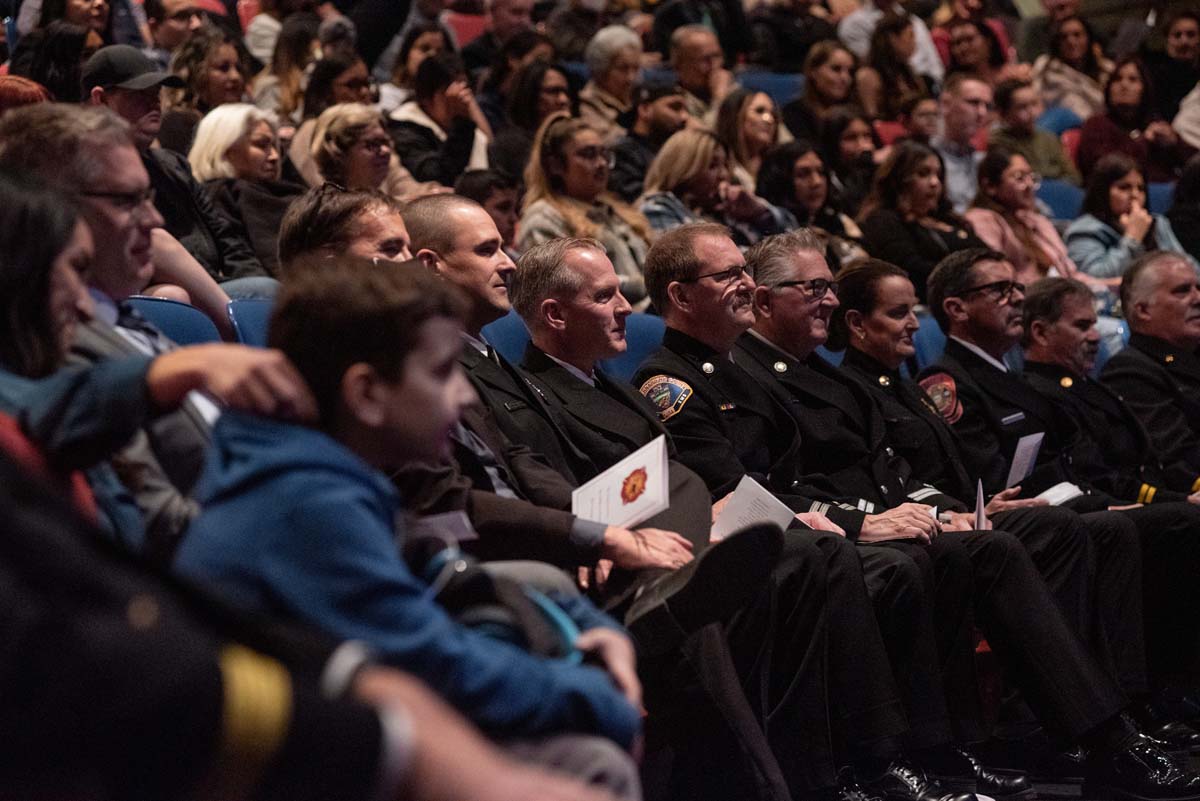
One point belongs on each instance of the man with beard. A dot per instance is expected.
(976, 301)
(1159, 373)
(659, 110)
(1114, 453)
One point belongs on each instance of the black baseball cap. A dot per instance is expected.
(655, 89)
(125, 67)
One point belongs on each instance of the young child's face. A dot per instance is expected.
(427, 401)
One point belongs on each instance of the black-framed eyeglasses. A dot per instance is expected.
(721, 277)
(814, 288)
(125, 201)
(998, 291)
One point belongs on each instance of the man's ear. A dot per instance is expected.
(762, 301)
(677, 294)
(551, 313)
(956, 310)
(363, 395)
(1037, 332)
(429, 258)
(97, 96)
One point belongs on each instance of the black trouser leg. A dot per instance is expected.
(928, 636)
(1044, 657)
(1118, 595)
(867, 711)
(1170, 542)
(780, 650)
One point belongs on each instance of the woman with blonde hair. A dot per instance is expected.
(236, 155)
(350, 146)
(689, 181)
(567, 194)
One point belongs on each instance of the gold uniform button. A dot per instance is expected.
(884, 381)
(1066, 382)
(1170, 359)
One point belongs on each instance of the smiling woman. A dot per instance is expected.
(567, 195)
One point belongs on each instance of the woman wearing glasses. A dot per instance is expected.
(907, 219)
(1005, 216)
(689, 182)
(350, 146)
(1116, 228)
(567, 195)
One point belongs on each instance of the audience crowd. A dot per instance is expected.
(323, 320)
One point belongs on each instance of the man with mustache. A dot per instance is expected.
(981, 308)
(727, 426)
(1159, 373)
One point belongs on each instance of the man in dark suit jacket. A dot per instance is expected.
(569, 295)
(975, 300)
(1158, 375)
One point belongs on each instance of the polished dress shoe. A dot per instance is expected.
(1141, 771)
(714, 585)
(1179, 737)
(964, 772)
(904, 781)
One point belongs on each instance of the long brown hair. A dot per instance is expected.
(549, 147)
(991, 173)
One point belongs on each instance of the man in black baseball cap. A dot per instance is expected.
(658, 111)
(127, 81)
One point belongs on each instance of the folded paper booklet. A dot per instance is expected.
(1061, 493)
(1024, 458)
(750, 504)
(629, 492)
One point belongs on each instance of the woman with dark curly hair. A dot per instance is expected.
(1130, 124)
(214, 71)
(907, 219)
(976, 49)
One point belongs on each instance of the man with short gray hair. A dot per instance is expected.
(1158, 375)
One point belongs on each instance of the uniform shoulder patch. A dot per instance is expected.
(942, 390)
(667, 394)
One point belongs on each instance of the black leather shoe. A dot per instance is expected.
(904, 781)
(1178, 737)
(1141, 771)
(971, 775)
(711, 587)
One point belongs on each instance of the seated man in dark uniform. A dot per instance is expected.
(727, 425)
(1158, 375)
(568, 293)
(975, 300)
(1114, 453)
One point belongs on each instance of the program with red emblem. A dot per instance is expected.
(630, 491)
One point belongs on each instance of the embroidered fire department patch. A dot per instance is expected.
(667, 394)
(942, 391)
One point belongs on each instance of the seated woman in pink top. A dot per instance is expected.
(1005, 216)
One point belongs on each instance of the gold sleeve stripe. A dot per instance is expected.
(257, 712)
(1150, 494)
(1142, 493)
(1196, 486)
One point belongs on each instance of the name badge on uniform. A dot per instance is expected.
(1015, 417)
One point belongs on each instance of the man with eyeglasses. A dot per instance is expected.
(966, 105)
(126, 81)
(170, 23)
(726, 426)
(980, 307)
